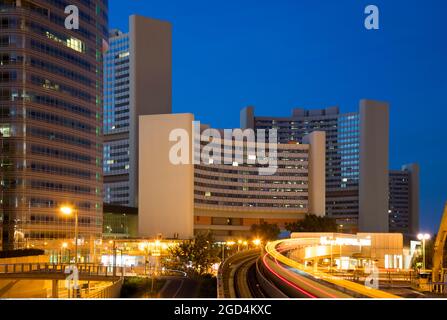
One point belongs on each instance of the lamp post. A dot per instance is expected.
(112, 242)
(332, 259)
(2, 185)
(68, 211)
(223, 251)
(423, 238)
(63, 246)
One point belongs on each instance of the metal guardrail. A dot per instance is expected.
(268, 286)
(42, 269)
(111, 291)
(223, 274)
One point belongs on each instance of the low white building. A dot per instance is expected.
(351, 251)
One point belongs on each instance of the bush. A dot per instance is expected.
(208, 286)
(135, 287)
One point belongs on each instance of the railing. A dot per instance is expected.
(345, 285)
(85, 269)
(111, 291)
(41, 268)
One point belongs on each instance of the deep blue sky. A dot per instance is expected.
(281, 54)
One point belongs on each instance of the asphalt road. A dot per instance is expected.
(180, 288)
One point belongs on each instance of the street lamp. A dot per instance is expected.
(68, 211)
(423, 238)
(63, 246)
(223, 250)
(2, 183)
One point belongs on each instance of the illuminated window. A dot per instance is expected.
(76, 44)
(5, 130)
(123, 54)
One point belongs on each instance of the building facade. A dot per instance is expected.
(166, 203)
(180, 198)
(350, 137)
(50, 119)
(137, 81)
(230, 198)
(404, 200)
(120, 222)
(350, 251)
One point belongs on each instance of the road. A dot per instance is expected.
(310, 282)
(245, 282)
(181, 287)
(295, 284)
(239, 277)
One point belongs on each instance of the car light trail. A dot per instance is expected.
(352, 286)
(326, 293)
(285, 280)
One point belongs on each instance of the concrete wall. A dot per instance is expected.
(166, 201)
(150, 79)
(29, 259)
(247, 119)
(317, 172)
(414, 197)
(373, 186)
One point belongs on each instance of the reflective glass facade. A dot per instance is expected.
(342, 153)
(117, 120)
(50, 119)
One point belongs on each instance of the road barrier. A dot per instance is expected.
(269, 288)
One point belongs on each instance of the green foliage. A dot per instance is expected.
(313, 223)
(135, 287)
(265, 231)
(196, 256)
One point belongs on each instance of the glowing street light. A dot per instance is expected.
(423, 238)
(68, 211)
(257, 242)
(239, 242)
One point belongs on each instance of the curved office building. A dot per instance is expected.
(230, 198)
(50, 119)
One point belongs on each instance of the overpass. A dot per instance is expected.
(112, 276)
(270, 273)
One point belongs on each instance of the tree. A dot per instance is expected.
(265, 231)
(196, 256)
(313, 223)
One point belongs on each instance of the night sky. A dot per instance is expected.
(277, 55)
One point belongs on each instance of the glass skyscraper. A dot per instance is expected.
(117, 120)
(137, 81)
(50, 119)
(356, 159)
(342, 153)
